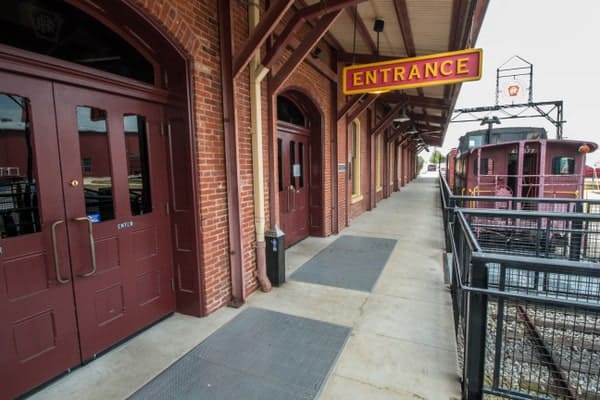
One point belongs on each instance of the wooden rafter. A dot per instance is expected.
(407, 36)
(260, 34)
(396, 133)
(362, 29)
(430, 119)
(370, 99)
(387, 120)
(299, 18)
(349, 104)
(303, 49)
(362, 58)
(417, 101)
(316, 63)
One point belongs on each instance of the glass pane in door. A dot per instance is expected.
(138, 171)
(95, 163)
(19, 214)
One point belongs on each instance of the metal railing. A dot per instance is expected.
(544, 204)
(526, 298)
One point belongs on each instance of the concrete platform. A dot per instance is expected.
(402, 341)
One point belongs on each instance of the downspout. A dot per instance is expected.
(257, 74)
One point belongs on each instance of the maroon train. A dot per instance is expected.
(518, 162)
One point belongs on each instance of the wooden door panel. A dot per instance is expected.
(301, 188)
(131, 244)
(295, 188)
(284, 181)
(119, 268)
(38, 335)
(150, 232)
(89, 128)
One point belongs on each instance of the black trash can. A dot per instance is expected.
(275, 256)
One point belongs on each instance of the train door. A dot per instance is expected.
(85, 256)
(531, 173)
(512, 171)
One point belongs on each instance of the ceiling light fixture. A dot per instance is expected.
(378, 27)
(402, 117)
(413, 129)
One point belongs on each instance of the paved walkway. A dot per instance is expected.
(402, 342)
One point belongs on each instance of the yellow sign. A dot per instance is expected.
(404, 73)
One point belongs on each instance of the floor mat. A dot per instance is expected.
(350, 262)
(260, 355)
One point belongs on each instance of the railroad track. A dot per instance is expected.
(560, 382)
(545, 352)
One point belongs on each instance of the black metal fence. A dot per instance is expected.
(526, 296)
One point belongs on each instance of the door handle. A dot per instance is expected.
(293, 189)
(291, 192)
(92, 246)
(59, 278)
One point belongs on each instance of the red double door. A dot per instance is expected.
(85, 248)
(293, 161)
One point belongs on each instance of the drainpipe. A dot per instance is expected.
(257, 74)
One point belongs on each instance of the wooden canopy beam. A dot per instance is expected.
(349, 104)
(370, 99)
(259, 35)
(303, 49)
(387, 120)
(314, 11)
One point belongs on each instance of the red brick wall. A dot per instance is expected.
(194, 26)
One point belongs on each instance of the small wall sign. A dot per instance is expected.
(124, 225)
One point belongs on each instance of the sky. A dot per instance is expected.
(560, 39)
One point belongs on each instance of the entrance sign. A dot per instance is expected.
(404, 73)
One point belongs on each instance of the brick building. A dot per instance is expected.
(146, 147)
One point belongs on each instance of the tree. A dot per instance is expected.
(437, 158)
(420, 162)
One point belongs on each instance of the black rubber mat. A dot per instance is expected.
(350, 262)
(260, 354)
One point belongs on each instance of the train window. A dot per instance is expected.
(487, 167)
(475, 141)
(563, 165)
